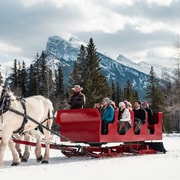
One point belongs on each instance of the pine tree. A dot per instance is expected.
(24, 84)
(79, 70)
(74, 76)
(12, 79)
(43, 76)
(58, 99)
(34, 74)
(119, 94)
(87, 73)
(96, 86)
(33, 88)
(129, 93)
(113, 94)
(59, 85)
(153, 93)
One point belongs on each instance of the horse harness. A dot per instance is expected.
(5, 105)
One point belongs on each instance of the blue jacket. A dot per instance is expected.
(108, 114)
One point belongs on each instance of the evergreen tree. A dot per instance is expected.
(59, 85)
(81, 66)
(96, 86)
(58, 99)
(153, 93)
(129, 94)
(36, 73)
(113, 94)
(74, 76)
(12, 80)
(15, 78)
(43, 76)
(24, 84)
(33, 88)
(119, 94)
(79, 70)
(87, 73)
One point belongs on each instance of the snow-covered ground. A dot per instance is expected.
(148, 167)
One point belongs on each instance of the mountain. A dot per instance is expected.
(67, 51)
(143, 66)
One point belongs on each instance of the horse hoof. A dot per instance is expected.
(39, 159)
(15, 164)
(45, 162)
(24, 160)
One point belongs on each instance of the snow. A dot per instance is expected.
(148, 167)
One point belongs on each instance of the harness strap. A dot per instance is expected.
(5, 106)
(21, 129)
(41, 125)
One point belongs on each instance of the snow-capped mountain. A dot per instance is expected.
(119, 70)
(143, 66)
(67, 51)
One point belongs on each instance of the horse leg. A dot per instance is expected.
(18, 148)
(47, 135)
(6, 141)
(38, 146)
(3, 147)
(16, 159)
(47, 147)
(26, 153)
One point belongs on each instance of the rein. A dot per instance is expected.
(39, 124)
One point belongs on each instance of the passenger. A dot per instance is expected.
(98, 105)
(78, 99)
(139, 116)
(124, 118)
(107, 114)
(145, 105)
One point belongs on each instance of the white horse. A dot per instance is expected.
(19, 115)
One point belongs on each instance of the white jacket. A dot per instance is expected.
(126, 116)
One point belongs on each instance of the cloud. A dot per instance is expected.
(133, 27)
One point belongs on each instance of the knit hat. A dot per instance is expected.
(122, 104)
(107, 100)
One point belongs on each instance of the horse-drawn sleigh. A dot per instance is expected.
(80, 130)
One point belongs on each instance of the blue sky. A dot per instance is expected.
(142, 30)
